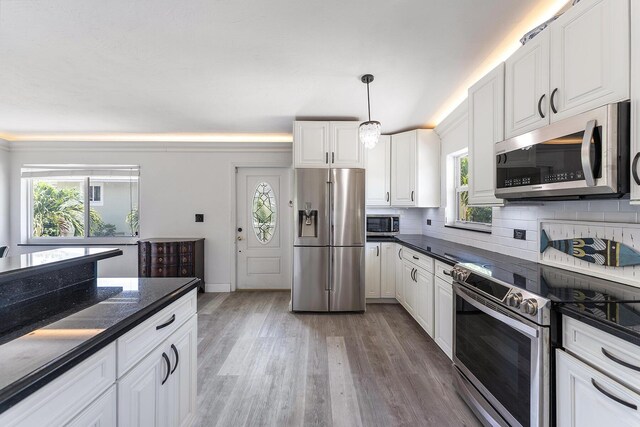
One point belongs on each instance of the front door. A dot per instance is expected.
(263, 228)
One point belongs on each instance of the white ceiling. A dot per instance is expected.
(237, 65)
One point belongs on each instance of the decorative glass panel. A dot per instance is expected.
(264, 212)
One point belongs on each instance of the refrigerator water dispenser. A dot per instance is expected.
(308, 221)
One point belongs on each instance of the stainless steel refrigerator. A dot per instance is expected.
(328, 252)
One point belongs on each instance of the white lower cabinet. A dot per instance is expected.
(443, 313)
(157, 386)
(160, 390)
(399, 272)
(410, 287)
(372, 270)
(586, 397)
(424, 303)
(388, 270)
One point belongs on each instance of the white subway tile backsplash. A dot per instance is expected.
(527, 217)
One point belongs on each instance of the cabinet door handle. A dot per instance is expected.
(333, 157)
(634, 168)
(415, 257)
(167, 323)
(326, 157)
(412, 194)
(166, 359)
(613, 397)
(388, 192)
(400, 253)
(175, 351)
(619, 361)
(447, 273)
(553, 101)
(540, 105)
(378, 250)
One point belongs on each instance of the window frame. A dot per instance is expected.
(457, 190)
(94, 202)
(85, 240)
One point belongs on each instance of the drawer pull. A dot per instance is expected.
(612, 397)
(618, 361)
(164, 325)
(166, 359)
(175, 351)
(446, 272)
(415, 257)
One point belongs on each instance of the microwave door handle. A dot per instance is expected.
(587, 168)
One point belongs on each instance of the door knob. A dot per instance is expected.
(239, 237)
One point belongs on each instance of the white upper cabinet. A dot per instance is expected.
(346, 149)
(415, 169)
(318, 144)
(378, 165)
(527, 87)
(589, 57)
(486, 128)
(635, 103)
(311, 144)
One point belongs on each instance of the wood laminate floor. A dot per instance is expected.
(259, 364)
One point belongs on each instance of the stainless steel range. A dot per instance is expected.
(502, 345)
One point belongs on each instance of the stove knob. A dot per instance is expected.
(514, 300)
(530, 306)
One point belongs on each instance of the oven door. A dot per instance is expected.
(504, 356)
(575, 157)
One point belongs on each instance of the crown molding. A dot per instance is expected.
(150, 146)
(452, 120)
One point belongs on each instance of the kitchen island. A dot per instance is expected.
(80, 341)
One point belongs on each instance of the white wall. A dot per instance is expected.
(177, 180)
(453, 132)
(4, 192)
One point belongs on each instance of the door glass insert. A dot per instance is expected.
(264, 211)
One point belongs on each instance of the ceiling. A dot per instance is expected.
(238, 66)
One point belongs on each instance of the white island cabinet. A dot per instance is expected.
(133, 381)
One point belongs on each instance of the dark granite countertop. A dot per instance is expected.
(616, 307)
(89, 323)
(15, 267)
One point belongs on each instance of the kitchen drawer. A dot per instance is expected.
(101, 413)
(186, 247)
(139, 341)
(593, 345)
(443, 271)
(585, 397)
(164, 270)
(58, 402)
(186, 258)
(420, 260)
(164, 260)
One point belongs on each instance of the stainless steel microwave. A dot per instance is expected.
(585, 156)
(383, 225)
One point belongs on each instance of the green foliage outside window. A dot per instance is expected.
(468, 213)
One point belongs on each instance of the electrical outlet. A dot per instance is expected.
(428, 222)
(199, 217)
(519, 234)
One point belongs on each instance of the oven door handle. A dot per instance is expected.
(515, 324)
(587, 168)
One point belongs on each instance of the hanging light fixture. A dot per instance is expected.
(369, 130)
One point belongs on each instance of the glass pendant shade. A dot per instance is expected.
(370, 133)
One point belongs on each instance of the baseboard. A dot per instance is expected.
(217, 287)
(382, 301)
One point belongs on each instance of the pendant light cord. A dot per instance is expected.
(368, 102)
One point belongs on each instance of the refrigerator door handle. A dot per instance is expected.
(331, 261)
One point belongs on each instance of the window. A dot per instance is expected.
(264, 212)
(95, 194)
(465, 215)
(68, 202)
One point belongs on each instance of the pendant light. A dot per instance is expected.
(369, 130)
